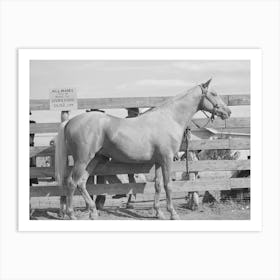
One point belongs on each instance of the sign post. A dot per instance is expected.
(64, 100)
(64, 117)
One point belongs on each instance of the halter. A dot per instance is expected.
(213, 102)
(187, 132)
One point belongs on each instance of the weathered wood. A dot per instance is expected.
(130, 102)
(234, 144)
(217, 124)
(237, 122)
(64, 116)
(41, 151)
(205, 134)
(219, 165)
(146, 188)
(44, 127)
(179, 166)
(232, 124)
(199, 132)
(239, 99)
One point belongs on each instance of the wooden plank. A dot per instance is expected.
(121, 102)
(146, 188)
(44, 127)
(41, 151)
(42, 172)
(240, 183)
(218, 165)
(205, 134)
(233, 144)
(199, 132)
(237, 122)
(179, 166)
(204, 122)
(231, 123)
(219, 123)
(127, 102)
(203, 144)
(239, 99)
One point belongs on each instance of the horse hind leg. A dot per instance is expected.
(80, 176)
(131, 179)
(62, 210)
(158, 186)
(70, 188)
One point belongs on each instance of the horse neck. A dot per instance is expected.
(184, 107)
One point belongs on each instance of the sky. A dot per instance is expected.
(95, 79)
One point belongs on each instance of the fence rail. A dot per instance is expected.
(147, 188)
(204, 144)
(114, 168)
(240, 125)
(217, 123)
(128, 102)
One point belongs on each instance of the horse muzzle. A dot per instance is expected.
(223, 112)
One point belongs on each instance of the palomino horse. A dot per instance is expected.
(151, 137)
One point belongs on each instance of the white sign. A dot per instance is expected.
(63, 99)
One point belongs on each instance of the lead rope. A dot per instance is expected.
(210, 119)
(187, 139)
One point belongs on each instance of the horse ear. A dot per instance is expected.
(206, 85)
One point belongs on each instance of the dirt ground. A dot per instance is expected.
(115, 209)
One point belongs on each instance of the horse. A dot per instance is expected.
(151, 137)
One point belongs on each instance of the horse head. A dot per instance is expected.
(213, 103)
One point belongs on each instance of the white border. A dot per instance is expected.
(254, 55)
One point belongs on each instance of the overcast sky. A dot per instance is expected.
(137, 78)
(94, 79)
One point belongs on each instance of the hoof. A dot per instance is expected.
(61, 214)
(160, 216)
(93, 215)
(194, 208)
(72, 217)
(100, 201)
(175, 217)
(129, 206)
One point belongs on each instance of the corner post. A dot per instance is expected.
(64, 116)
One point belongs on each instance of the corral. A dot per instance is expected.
(180, 188)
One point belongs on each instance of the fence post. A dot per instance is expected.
(64, 117)
(193, 198)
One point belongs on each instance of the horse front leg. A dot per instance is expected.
(131, 179)
(166, 171)
(158, 184)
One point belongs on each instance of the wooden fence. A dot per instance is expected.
(233, 124)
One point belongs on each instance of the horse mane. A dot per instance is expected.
(169, 101)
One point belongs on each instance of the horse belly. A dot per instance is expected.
(129, 150)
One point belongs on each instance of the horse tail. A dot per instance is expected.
(60, 155)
